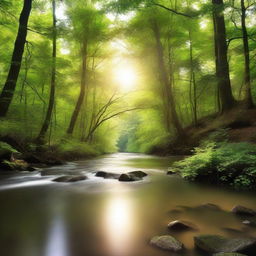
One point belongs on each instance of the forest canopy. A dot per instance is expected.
(98, 76)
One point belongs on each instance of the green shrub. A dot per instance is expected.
(221, 162)
(6, 148)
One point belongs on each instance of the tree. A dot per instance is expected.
(247, 73)
(48, 116)
(172, 117)
(222, 66)
(14, 70)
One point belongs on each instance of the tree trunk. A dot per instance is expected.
(165, 81)
(193, 96)
(82, 91)
(247, 75)
(224, 85)
(49, 112)
(10, 84)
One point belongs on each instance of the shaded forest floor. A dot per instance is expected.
(239, 124)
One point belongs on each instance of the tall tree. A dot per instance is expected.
(82, 89)
(49, 111)
(14, 70)
(224, 85)
(172, 115)
(247, 74)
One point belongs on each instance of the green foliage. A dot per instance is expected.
(6, 148)
(221, 162)
(75, 149)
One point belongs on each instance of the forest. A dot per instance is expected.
(93, 89)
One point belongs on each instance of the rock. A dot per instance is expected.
(228, 254)
(70, 178)
(243, 211)
(209, 206)
(251, 223)
(137, 174)
(167, 243)
(107, 175)
(31, 168)
(126, 178)
(179, 225)
(217, 244)
(171, 173)
(100, 174)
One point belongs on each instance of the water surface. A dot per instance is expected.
(98, 217)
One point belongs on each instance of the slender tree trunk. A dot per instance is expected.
(82, 91)
(222, 69)
(50, 108)
(165, 81)
(193, 97)
(10, 84)
(247, 74)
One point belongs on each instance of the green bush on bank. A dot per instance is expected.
(221, 162)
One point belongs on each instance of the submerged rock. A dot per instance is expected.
(243, 211)
(217, 244)
(167, 243)
(209, 206)
(179, 225)
(70, 178)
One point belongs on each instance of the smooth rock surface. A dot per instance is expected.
(126, 178)
(167, 243)
(217, 244)
(107, 175)
(179, 225)
(70, 178)
(243, 211)
(137, 174)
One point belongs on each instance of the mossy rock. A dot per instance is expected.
(217, 244)
(166, 242)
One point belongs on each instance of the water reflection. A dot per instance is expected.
(57, 240)
(119, 223)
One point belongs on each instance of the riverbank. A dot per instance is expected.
(21, 155)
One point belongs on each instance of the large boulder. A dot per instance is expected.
(179, 225)
(167, 243)
(228, 254)
(70, 178)
(243, 211)
(217, 244)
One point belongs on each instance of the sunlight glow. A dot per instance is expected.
(118, 221)
(125, 77)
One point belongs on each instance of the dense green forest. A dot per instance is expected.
(95, 76)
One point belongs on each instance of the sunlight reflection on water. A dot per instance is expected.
(57, 240)
(119, 224)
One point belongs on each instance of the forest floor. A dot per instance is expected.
(239, 124)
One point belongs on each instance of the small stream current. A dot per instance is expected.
(99, 217)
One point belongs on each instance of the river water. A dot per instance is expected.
(99, 217)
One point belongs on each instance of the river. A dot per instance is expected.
(104, 217)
